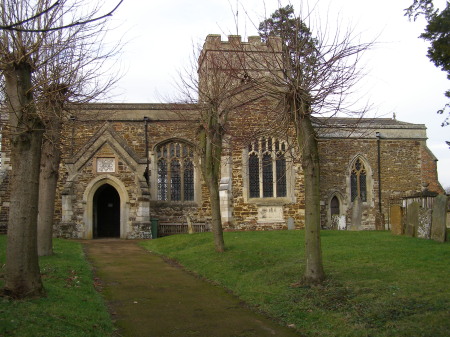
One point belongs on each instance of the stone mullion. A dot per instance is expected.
(274, 174)
(182, 165)
(169, 179)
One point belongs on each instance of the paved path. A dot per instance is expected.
(149, 297)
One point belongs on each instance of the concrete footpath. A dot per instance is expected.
(149, 297)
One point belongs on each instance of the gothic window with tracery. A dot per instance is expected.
(358, 181)
(267, 169)
(175, 171)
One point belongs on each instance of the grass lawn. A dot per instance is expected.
(378, 284)
(72, 306)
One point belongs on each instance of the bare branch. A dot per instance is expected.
(13, 27)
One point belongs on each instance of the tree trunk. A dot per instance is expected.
(314, 273)
(22, 277)
(216, 224)
(50, 159)
(211, 149)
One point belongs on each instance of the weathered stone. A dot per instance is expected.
(356, 215)
(379, 222)
(115, 134)
(439, 228)
(412, 219)
(290, 223)
(396, 220)
(424, 223)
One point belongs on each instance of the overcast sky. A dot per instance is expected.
(160, 35)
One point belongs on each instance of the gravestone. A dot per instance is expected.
(290, 223)
(379, 222)
(396, 220)
(412, 219)
(356, 215)
(334, 221)
(189, 223)
(342, 225)
(424, 224)
(438, 221)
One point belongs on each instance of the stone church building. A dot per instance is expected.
(110, 150)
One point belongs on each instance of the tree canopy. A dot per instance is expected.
(437, 32)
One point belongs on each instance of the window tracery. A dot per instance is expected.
(175, 170)
(267, 168)
(358, 181)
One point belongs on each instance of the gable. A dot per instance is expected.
(105, 142)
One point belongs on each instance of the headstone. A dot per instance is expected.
(438, 221)
(412, 219)
(290, 223)
(334, 221)
(189, 223)
(379, 222)
(396, 220)
(424, 224)
(356, 215)
(342, 225)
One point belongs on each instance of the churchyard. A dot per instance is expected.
(378, 284)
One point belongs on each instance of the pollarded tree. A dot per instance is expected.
(68, 79)
(24, 51)
(217, 85)
(316, 76)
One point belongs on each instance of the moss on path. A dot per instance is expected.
(149, 297)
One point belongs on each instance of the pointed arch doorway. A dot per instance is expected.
(106, 217)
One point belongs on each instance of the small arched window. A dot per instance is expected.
(358, 181)
(175, 172)
(334, 206)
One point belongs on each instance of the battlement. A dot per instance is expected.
(235, 43)
(251, 55)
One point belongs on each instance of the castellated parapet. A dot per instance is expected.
(238, 62)
(214, 42)
(236, 54)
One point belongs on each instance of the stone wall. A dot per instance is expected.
(394, 153)
(405, 163)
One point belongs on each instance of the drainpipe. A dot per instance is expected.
(378, 135)
(72, 119)
(147, 172)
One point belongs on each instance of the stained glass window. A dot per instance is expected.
(188, 180)
(358, 181)
(162, 179)
(175, 180)
(281, 176)
(267, 169)
(175, 172)
(267, 175)
(253, 168)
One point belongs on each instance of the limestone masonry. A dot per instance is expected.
(367, 166)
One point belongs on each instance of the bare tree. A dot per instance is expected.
(23, 54)
(69, 80)
(18, 25)
(317, 73)
(217, 85)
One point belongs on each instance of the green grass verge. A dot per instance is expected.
(72, 306)
(378, 284)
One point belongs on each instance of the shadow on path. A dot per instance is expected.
(149, 297)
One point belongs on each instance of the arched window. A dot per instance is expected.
(267, 169)
(175, 172)
(358, 181)
(334, 206)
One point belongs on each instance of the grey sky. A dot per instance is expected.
(160, 36)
